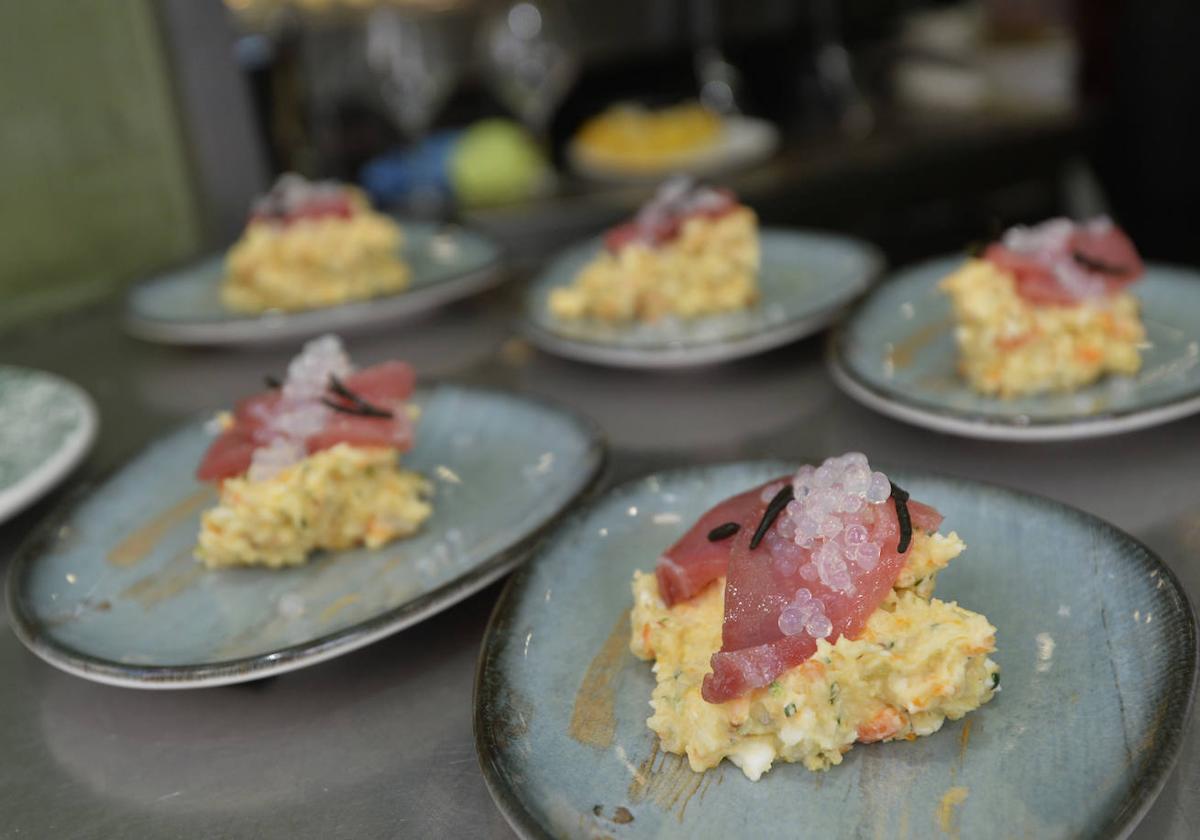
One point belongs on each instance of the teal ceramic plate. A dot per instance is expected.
(47, 426)
(805, 279)
(109, 591)
(896, 354)
(1096, 642)
(184, 307)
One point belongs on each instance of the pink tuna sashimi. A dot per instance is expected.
(1062, 263)
(384, 386)
(695, 561)
(762, 582)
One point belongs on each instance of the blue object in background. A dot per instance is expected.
(419, 172)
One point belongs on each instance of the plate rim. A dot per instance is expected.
(678, 356)
(1142, 794)
(49, 473)
(279, 326)
(318, 649)
(982, 427)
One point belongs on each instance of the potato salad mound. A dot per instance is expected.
(690, 252)
(918, 662)
(309, 245)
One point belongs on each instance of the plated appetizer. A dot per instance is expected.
(797, 618)
(313, 244)
(690, 251)
(1047, 309)
(639, 139)
(313, 463)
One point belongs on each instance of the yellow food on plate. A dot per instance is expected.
(706, 264)
(1010, 347)
(918, 662)
(645, 140)
(310, 245)
(334, 499)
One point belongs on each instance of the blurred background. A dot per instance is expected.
(136, 133)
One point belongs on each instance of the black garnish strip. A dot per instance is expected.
(900, 498)
(338, 387)
(1099, 266)
(272, 382)
(777, 504)
(723, 532)
(356, 410)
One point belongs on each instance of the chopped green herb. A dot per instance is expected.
(662, 622)
(835, 691)
(789, 710)
(995, 679)
(776, 689)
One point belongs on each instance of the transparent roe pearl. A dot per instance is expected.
(879, 489)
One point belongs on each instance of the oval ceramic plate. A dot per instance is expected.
(805, 279)
(110, 592)
(47, 426)
(184, 307)
(1077, 744)
(896, 354)
(744, 142)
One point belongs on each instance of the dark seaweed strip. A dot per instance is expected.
(357, 410)
(1098, 266)
(900, 497)
(272, 382)
(776, 505)
(367, 409)
(723, 532)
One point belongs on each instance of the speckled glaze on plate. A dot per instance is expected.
(109, 590)
(184, 306)
(47, 426)
(1077, 744)
(896, 354)
(806, 278)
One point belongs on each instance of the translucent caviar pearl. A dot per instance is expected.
(855, 459)
(880, 488)
(809, 572)
(808, 526)
(791, 622)
(852, 503)
(824, 476)
(866, 556)
(857, 479)
(831, 526)
(819, 626)
(854, 535)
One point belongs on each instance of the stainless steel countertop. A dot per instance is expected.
(378, 743)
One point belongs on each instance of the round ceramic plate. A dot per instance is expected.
(806, 278)
(47, 426)
(744, 142)
(184, 307)
(109, 591)
(896, 354)
(1096, 642)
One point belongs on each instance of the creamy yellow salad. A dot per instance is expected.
(1009, 347)
(334, 499)
(313, 262)
(918, 662)
(709, 268)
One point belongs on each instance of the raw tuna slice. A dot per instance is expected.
(661, 219)
(695, 561)
(300, 416)
(826, 563)
(1063, 263)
